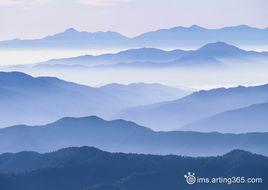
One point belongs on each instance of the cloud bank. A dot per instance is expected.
(22, 2)
(102, 2)
(41, 2)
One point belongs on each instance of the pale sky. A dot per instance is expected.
(38, 18)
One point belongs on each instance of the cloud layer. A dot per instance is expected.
(41, 2)
(102, 2)
(22, 2)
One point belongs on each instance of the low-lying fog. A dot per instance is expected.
(21, 57)
(194, 78)
(236, 74)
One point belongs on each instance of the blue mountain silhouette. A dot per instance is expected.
(200, 105)
(177, 37)
(38, 100)
(209, 55)
(124, 136)
(249, 119)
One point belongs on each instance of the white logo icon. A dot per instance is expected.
(190, 178)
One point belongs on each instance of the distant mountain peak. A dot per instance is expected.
(179, 28)
(89, 120)
(70, 30)
(14, 75)
(243, 26)
(196, 27)
(142, 50)
(238, 153)
(217, 44)
(219, 49)
(88, 149)
(75, 119)
(75, 35)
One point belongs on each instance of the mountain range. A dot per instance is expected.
(127, 56)
(177, 37)
(28, 100)
(125, 136)
(41, 100)
(204, 106)
(88, 168)
(218, 54)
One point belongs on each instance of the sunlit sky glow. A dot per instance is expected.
(38, 18)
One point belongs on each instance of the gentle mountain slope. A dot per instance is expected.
(89, 168)
(199, 105)
(249, 119)
(142, 93)
(43, 99)
(123, 136)
(29, 100)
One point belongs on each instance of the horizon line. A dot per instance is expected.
(137, 35)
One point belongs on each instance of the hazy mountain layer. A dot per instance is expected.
(127, 56)
(123, 136)
(212, 55)
(201, 105)
(177, 37)
(29, 100)
(142, 93)
(253, 118)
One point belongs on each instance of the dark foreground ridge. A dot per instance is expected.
(87, 168)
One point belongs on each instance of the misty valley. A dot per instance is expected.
(143, 113)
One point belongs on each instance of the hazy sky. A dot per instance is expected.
(38, 18)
